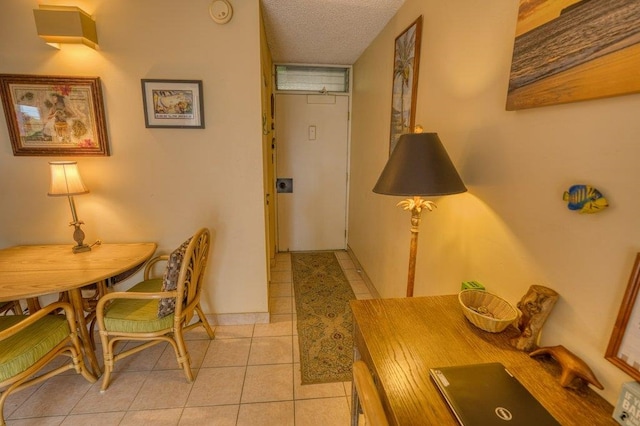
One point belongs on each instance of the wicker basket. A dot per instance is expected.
(487, 311)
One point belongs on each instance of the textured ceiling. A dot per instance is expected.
(324, 31)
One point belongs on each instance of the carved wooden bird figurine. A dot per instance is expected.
(572, 366)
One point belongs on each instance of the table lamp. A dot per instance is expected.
(418, 166)
(66, 181)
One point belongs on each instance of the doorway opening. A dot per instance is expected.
(312, 128)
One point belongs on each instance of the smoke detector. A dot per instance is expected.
(220, 11)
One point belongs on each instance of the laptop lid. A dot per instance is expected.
(487, 395)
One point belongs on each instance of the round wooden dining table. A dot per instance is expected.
(30, 271)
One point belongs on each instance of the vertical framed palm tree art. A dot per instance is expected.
(405, 81)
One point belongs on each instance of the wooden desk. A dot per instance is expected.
(32, 271)
(400, 339)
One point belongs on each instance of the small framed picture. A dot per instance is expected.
(54, 116)
(174, 104)
(624, 345)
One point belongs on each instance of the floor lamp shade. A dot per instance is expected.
(419, 165)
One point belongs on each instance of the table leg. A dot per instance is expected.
(75, 296)
(33, 304)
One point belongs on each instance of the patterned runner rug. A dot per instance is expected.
(325, 324)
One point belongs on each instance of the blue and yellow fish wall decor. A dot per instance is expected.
(585, 199)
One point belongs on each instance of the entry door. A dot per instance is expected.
(311, 144)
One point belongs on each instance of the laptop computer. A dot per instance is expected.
(487, 395)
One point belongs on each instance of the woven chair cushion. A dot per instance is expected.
(137, 315)
(26, 347)
(170, 279)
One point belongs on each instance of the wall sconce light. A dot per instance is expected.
(65, 24)
(66, 181)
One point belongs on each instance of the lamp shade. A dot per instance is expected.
(419, 165)
(65, 179)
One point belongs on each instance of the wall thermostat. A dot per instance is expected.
(220, 11)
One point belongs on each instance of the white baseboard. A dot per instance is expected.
(239, 319)
(363, 274)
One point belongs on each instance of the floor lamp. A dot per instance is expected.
(418, 166)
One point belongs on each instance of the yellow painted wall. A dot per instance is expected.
(512, 229)
(159, 184)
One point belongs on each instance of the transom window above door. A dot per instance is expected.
(304, 78)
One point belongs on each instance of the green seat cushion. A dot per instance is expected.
(137, 315)
(25, 348)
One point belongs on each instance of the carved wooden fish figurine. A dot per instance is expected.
(585, 199)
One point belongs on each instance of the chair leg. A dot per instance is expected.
(77, 358)
(3, 398)
(182, 355)
(79, 366)
(204, 321)
(5, 394)
(106, 376)
(107, 354)
(186, 366)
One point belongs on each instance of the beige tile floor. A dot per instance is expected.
(247, 375)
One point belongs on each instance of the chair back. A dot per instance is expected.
(368, 395)
(191, 275)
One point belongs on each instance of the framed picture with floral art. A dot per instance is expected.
(406, 59)
(54, 116)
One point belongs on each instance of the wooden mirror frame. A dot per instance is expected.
(621, 326)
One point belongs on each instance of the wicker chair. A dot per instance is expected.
(157, 310)
(12, 306)
(29, 342)
(368, 396)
